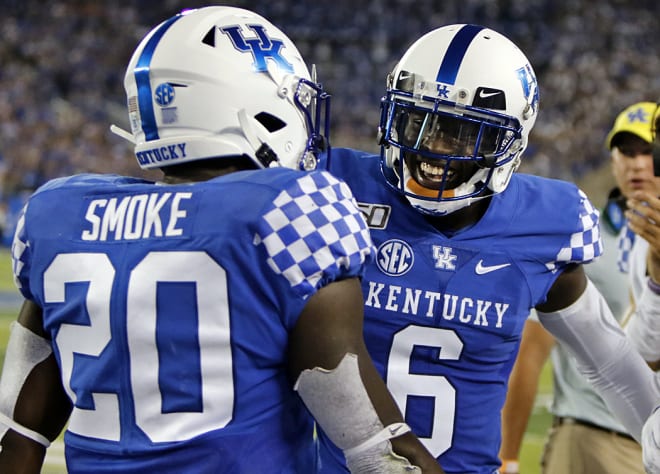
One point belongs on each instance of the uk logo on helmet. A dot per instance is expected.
(529, 85)
(262, 47)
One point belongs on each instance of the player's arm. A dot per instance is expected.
(535, 348)
(33, 405)
(643, 328)
(643, 325)
(341, 387)
(578, 317)
(651, 443)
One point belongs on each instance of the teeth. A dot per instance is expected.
(435, 171)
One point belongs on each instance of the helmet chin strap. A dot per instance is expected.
(437, 208)
(442, 208)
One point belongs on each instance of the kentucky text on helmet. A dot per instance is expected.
(163, 153)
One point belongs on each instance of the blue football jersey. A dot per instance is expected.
(444, 314)
(169, 308)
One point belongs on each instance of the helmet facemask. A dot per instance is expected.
(313, 106)
(444, 156)
(314, 103)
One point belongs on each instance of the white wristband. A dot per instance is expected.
(391, 431)
(510, 466)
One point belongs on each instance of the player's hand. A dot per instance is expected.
(644, 219)
(651, 443)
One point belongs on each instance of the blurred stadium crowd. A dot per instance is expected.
(62, 65)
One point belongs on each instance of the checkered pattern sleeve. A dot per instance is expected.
(625, 245)
(313, 233)
(585, 242)
(20, 251)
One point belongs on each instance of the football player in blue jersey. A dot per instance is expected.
(188, 326)
(585, 438)
(466, 247)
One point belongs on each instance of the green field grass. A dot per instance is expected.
(6, 278)
(532, 443)
(539, 423)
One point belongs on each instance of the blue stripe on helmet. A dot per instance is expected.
(142, 68)
(455, 53)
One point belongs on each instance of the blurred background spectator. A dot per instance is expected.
(62, 65)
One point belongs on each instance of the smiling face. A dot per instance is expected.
(446, 137)
(436, 175)
(632, 164)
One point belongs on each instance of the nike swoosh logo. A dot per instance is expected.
(482, 269)
(485, 95)
(397, 429)
(394, 431)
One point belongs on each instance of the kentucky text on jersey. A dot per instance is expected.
(163, 153)
(135, 217)
(466, 310)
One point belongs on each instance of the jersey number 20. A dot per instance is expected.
(141, 319)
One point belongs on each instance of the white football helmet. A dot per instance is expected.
(219, 82)
(456, 117)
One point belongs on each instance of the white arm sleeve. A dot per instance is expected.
(340, 403)
(643, 328)
(651, 443)
(606, 358)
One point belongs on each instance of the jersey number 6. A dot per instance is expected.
(402, 383)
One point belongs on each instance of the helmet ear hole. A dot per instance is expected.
(270, 122)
